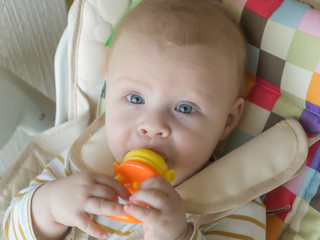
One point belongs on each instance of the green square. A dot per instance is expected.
(285, 107)
(293, 99)
(304, 51)
(309, 227)
(302, 222)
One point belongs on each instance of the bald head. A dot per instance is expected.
(188, 22)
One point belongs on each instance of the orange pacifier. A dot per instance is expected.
(137, 166)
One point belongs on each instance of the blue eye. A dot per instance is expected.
(135, 99)
(185, 108)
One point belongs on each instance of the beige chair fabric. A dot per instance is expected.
(89, 22)
(251, 170)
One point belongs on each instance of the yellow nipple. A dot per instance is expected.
(153, 160)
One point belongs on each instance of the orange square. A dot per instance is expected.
(313, 95)
(250, 81)
(274, 225)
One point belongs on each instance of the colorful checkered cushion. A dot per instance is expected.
(283, 80)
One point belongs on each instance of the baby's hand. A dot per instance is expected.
(165, 215)
(73, 200)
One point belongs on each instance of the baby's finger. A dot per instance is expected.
(100, 206)
(158, 183)
(153, 198)
(144, 214)
(87, 225)
(105, 192)
(113, 184)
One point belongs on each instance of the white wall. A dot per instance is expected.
(29, 34)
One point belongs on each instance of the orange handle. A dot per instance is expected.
(132, 173)
(137, 166)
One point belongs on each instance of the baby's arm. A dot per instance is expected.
(54, 200)
(18, 219)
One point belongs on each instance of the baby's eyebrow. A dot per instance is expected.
(126, 79)
(202, 99)
(202, 93)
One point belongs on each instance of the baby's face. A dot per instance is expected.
(174, 100)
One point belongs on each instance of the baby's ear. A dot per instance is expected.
(233, 117)
(106, 63)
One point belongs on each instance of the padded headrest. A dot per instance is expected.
(257, 167)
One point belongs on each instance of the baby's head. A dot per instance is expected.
(175, 72)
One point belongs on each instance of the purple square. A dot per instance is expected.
(310, 120)
(313, 108)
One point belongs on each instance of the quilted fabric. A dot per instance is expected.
(90, 23)
(283, 80)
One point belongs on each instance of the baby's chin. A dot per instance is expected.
(179, 179)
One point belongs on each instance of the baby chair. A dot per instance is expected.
(282, 81)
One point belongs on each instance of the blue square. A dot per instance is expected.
(253, 59)
(234, 140)
(310, 185)
(290, 13)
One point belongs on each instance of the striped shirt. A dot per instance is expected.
(247, 223)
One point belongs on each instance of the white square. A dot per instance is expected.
(277, 39)
(296, 80)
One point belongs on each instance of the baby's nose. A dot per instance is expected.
(154, 128)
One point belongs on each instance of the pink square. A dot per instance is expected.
(310, 23)
(278, 198)
(240, 2)
(264, 94)
(262, 7)
(294, 184)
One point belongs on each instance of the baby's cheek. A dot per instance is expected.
(181, 175)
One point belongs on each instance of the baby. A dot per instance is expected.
(174, 79)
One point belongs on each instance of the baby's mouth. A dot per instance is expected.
(161, 154)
